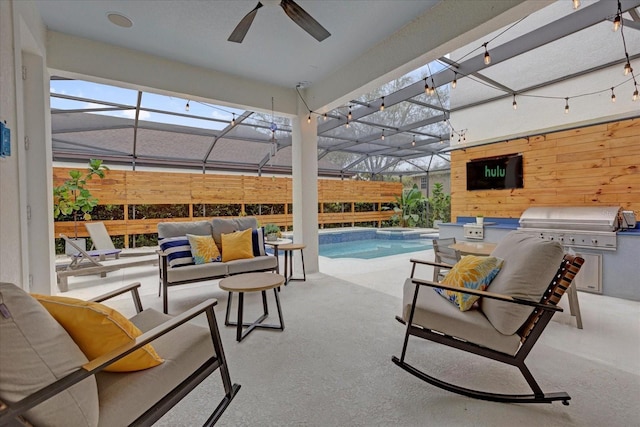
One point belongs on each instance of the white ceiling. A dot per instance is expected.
(275, 50)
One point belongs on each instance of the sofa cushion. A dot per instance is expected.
(237, 245)
(123, 398)
(195, 272)
(529, 266)
(178, 250)
(259, 263)
(35, 352)
(471, 272)
(98, 329)
(229, 225)
(434, 312)
(203, 249)
(176, 229)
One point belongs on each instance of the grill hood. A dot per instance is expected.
(589, 218)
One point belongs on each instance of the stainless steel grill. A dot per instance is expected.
(579, 227)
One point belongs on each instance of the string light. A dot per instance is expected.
(515, 104)
(186, 107)
(426, 86)
(454, 83)
(627, 68)
(616, 22)
(566, 106)
(382, 104)
(309, 118)
(413, 141)
(635, 92)
(613, 96)
(349, 114)
(324, 116)
(576, 4)
(233, 121)
(347, 124)
(382, 136)
(432, 89)
(487, 57)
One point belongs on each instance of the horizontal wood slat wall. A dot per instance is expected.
(148, 188)
(590, 166)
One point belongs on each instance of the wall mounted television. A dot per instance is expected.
(495, 173)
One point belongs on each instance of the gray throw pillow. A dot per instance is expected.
(530, 264)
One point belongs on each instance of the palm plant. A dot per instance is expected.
(407, 203)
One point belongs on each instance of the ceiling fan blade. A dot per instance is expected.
(243, 26)
(304, 20)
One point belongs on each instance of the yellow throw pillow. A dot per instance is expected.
(238, 245)
(98, 329)
(203, 249)
(471, 272)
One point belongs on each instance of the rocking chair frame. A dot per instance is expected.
(530, 331)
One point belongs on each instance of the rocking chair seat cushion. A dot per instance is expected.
(122, 396)
(436, 313)
(530, 264)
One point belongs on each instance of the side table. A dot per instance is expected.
(288, 261)
(252, 282)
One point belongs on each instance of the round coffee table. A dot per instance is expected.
(252, 282)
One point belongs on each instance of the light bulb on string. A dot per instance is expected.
(347, 124)
(635, 92)
(382, 136)
(309, 117)
(566, 106)
(382, 104)
(454, 83)
(432, 89)
(613, 96)
(616, 22)
(576, 4)
(487, 57)
(186, 107)
(413, 141)
(324, 117)
(627, 69)
(515, 104)
(349, 114)
(233, 120)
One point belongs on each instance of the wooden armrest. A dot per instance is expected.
(432, 263)
(133, 288)
(106, 359)
(18, 408)
(485, 294)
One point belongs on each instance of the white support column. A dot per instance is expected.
(304, 160)
(39, 180)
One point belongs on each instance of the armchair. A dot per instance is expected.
(45, 379)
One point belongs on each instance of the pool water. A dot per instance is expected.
(373, 248)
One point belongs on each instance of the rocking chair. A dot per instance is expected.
(506, 323)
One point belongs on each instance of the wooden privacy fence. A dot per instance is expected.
(200, 192)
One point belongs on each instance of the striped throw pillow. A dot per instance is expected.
(178, 250)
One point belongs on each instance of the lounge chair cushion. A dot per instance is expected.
(35, 352)
(529, 266)
(433, 312)
(195, 272)
(259, 263)
(237, 245)
(471, 272)
(203, 249)
(98, 329)
(123, 397)
(178, 250)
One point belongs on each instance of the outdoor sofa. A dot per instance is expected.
(177, 265)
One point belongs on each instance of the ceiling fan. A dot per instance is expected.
(293, 11)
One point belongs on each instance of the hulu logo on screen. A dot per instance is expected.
(496, 172)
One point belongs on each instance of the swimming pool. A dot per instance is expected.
(373, 248)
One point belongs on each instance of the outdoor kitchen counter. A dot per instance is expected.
(620, 268)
